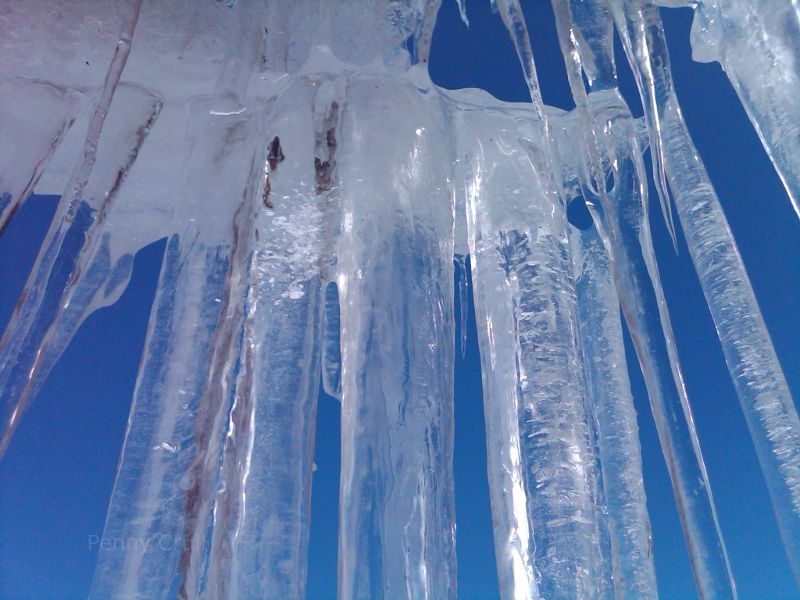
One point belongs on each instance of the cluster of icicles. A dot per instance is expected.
(314, 187)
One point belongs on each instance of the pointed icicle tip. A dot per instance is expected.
(462, 11)
(662, 189)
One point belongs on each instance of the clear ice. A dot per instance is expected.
(314, 187)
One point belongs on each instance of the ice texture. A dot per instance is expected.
(314, 188)
(600, 333)
(397, 512)
(543, 473)
(757, 44)
(617, 199)
(760, 384)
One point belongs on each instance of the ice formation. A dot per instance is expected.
(301, 164)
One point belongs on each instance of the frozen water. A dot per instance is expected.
(314, 187)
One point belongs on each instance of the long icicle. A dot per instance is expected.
(543, 475)
(757, 375)
(397, 513)
(261, 528)
(600, 327)
(618, 441)
(625, 231)
(177, 424)
(72, 202)
(146, 510)
(207, 485)
(543, 162)
(73, 274)
(630, 248)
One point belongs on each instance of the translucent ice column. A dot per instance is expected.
(543, 474)
(167, 475)
(625, 233)
(612, 180)
(78, 269)
(260, 540)
(612, 407)
(395, 278)
(757, 375)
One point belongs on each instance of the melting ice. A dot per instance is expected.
(314, 186)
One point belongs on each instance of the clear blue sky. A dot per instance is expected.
(56, 478)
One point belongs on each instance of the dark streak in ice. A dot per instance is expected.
(323, 167)
(274, 157)
(275, 153)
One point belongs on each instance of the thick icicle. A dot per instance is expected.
(757, 375)
(757, 44)
(612, 403)
(619, 215)
(183, 386)
(626, 235)
(590, 553)
(145, 519)
(75, 272)
(211, 484)
(542, 469)
(397, 521)
(585, 35)
(260, 538)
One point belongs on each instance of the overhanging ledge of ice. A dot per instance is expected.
(314, 187)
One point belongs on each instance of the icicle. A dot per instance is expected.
(642, 300)
(211, 485)
(75, 272)
(757, 375)
(756, 43)
(397, 514)
(463, 300)
(655, 125)
(625, 233)
(146, 513)
(58, 265)
(585, 34)
(41, 113)
(176, 430)
(618, 439)
(576, 554)
(260, 539)
(542, 471)
(462, 11)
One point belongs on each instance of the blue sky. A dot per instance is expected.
(56, 477)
